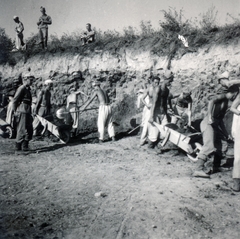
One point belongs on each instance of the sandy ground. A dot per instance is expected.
(111, 190)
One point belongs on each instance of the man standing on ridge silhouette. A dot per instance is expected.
(43, 23)
(19, 33)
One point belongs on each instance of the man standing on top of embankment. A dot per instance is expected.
(43, 23)
(105, 111)
(19, 33)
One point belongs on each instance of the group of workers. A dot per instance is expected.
(23, 110)
(43, 23)
(157, 101)
(158, 108)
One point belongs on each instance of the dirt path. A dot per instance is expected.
(111, 190)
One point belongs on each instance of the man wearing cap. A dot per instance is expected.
(22, 110)
(88, 36)
(43, 105)
(104, 113)
(19, 33)
(43, 23)
(72, 108)
(214, 132)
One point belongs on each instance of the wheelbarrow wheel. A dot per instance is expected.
(10, 132)
(194, 155)
(65, 136)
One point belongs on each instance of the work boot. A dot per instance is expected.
(199, 171)
(151, 144)
(216, 163)
(236, 185)
(18, 146)
(25, 145)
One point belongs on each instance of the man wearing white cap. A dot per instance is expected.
(22, 110)
(105, 112)
(43, 23)
(19, 33)
(43, 105)
(213, 130)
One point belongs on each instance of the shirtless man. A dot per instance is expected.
(161, 100)
(105, 111)
(183, 108)
(214, 132)
(149, 130)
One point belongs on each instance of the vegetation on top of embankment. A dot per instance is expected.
(163, 41)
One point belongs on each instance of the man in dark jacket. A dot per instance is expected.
(22, 109)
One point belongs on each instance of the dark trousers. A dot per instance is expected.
(24, 127)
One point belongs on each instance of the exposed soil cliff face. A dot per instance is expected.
(122, 71)
(209, 59)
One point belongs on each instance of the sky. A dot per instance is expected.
(69, 16)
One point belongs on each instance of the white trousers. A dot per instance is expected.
(105, 120)
(236, 136)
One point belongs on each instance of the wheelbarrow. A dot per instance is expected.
(8, 129)
(179, 139)
(62, 132)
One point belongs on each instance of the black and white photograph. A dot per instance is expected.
(119, 119)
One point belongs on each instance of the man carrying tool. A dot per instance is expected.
(105, 111)
(214, 132)
(43, 105)
(22, 111)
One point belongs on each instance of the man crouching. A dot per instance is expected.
(105, 111)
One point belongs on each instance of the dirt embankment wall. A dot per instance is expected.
(125, 70)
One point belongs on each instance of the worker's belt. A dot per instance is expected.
(105, 104)
(27, 102)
